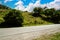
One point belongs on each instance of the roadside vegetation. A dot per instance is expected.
(29, 20)
(55, 36)
(39, 16)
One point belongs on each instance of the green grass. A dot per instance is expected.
(29, 20)
(55, 36)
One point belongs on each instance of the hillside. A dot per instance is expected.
(29, 20)
(9, 17)
(17, 18)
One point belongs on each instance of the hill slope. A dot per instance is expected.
(29, 20)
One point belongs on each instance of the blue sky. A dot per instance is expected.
(29, 3)
(46, 1)
(26, 2)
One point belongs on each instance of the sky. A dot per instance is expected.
(29, 5)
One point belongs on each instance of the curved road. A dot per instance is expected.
(27, 33)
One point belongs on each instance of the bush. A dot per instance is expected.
(1, 20)
(13, 19)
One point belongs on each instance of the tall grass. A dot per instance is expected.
(55, 36)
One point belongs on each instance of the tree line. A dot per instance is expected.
(51, 15)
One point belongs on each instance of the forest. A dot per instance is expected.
(17, 18)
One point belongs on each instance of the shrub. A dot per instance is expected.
(13, 19)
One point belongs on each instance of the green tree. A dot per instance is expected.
(49, 12)
(13, 19)
(57, 16)
(37, 11)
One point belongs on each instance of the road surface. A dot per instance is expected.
(27, 33)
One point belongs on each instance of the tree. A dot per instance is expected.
(57, 16)
(49, 12)
(13, 19)
(37, 11)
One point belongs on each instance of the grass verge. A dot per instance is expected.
(55, 36)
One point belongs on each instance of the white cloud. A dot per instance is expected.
(19, 5)
(30, 7)
(54, 4)
(37, 4)
(7, 1)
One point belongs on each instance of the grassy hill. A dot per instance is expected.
(29, 20)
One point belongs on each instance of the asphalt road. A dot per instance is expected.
(27, 33)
